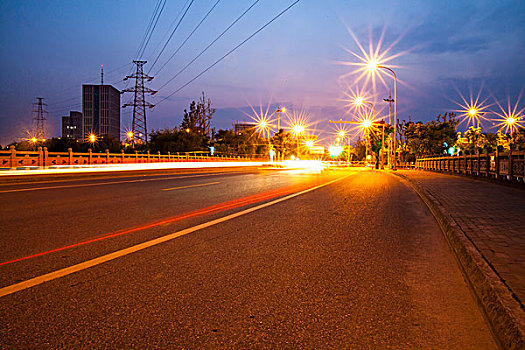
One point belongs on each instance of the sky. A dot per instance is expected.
(304, 60)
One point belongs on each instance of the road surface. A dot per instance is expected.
(277, 259)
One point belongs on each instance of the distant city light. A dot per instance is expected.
(335, 151)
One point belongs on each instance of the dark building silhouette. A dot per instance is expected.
(100, 111)
(72, 125)
(240, 126)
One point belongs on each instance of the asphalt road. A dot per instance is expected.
(356, 263)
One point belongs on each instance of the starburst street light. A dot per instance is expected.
(373, 66)
(298, 129)
(473, 110)
(92, 138)
(510, 118)
(366, 124)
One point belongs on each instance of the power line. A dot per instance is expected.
(152, 19)
(172, 24)
(188, 37)
(207, 47)
(172, 33)
(230, 52)
(152, 30)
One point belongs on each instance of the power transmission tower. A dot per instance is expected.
(139, 126)
(40, 131)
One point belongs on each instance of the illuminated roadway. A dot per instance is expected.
(262, 259)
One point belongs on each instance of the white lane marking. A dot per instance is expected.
(190, 186)
(119, 253)
(111, 183)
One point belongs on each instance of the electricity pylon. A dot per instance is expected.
(139, 126)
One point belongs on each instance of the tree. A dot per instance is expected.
(245, 143)
(177, 140)
(284, 143)
(198, 118)
(359, 149)
(433, 137)
(376, 139)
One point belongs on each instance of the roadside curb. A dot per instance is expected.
(500, 307)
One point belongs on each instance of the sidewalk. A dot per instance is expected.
(485, 226)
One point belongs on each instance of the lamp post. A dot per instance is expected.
(279, 110)
(373, 65)
(342, 136)
(297, 129)
(264, 126)
(358, 102)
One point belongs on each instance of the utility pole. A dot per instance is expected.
(390, 100)
(40, 131)
(139, 126)
(279, 110)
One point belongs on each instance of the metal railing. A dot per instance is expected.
(41, 158)
(508, 165)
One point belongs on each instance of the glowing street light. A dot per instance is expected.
(335, 151)
(34, 140)
(298, 129)
(366, 124)
(309, 143)
(510, 121)
(92, 138)
(373, 65)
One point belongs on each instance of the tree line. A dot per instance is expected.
(195, 133)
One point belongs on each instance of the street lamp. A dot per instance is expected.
(279, 110)
(263, 127)
(367, 123)
(475, 114)
(92, 138)
(297, 129)
(372, 66)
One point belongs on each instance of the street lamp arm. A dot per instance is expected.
(389, 69)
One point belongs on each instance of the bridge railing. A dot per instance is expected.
(508, 165)
(41, 158)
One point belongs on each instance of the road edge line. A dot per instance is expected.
(501, 310)
(141, 246)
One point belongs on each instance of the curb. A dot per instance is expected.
(502, 310)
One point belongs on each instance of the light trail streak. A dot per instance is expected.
(204, 211)
(108, 183)
(123, 252)
(190, 186)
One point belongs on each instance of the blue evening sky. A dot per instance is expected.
(447, 49)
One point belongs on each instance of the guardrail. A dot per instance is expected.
(41, 158)
(508, 165)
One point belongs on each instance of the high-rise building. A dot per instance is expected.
(72, 125)
(100, 110)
